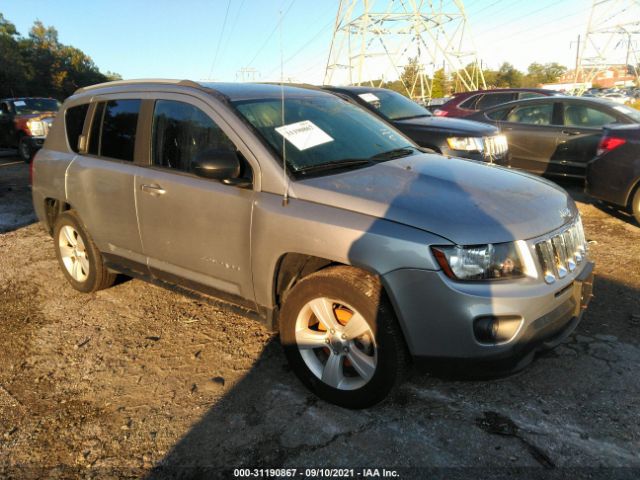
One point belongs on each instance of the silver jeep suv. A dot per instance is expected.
(322, 220)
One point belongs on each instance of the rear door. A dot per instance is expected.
(581, 132)
(100, 180)
(194, 230)
(533, 134)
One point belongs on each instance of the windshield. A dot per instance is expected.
(393, 105)
(26, 106)
(322, 131)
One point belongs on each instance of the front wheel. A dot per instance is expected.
(79, 258)
(24, 149)
(341, 337)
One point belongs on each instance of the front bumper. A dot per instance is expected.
(437, 315)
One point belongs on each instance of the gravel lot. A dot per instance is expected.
(139, 381)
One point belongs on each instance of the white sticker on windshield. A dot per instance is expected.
(19, 103)
(304, 134)
(369, 97)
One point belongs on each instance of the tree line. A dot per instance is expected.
(38, 65)
(505, 76)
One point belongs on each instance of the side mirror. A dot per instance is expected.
(217, 164)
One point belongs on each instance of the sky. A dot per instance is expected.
(217, 39)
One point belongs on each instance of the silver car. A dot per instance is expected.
(323, 221)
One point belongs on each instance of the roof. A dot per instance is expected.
(232, 91)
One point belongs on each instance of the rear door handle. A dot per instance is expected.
(570, 133)
(153, 189)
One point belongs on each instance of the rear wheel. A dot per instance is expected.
(635, 204)
(79, 258)
(24, 149)
(341, 337)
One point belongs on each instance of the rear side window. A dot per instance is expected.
(489, 100)
(119, 129)
(74, 122)
(523, 95)
(581, 116)
(498, 114)
(181, 132)
(113, 132)
(470, 102)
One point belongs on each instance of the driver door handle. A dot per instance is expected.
(570, 133)
(153, 189)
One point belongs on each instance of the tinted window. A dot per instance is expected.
(181, 132)
(94, 136)
(582, 116)
(492, 99)
(470, 102)
(539, 114)
(119, 129)
(498, 114)
(74, 122)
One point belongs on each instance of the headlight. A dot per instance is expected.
(36, 127)
(482, 262)
(467, 144)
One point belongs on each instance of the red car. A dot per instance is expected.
(464, 104)
(25, 122)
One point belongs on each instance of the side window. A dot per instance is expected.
(539, 114)
(582, 116)
(181, 132)
(493, 99)
(96, 126)
(119, 129)
(4, 108)
(74, 122)
(499, 114)
(470, 102)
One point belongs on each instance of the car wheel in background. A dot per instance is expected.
(79, 258)
(341, 337)
(635, 204)
(24, 149)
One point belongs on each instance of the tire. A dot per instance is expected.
(352, 371)
(635, 205)
(79, 258)
(25, 152)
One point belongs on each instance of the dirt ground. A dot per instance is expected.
(139, 381)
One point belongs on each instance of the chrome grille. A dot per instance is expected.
(563, 252)
(495, 146)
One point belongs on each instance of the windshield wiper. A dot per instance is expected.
(413, 116)
(395, 153)
(334, 165)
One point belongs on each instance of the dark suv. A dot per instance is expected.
(25, 122)
(467, 103)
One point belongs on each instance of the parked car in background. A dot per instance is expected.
(449, 136)
(556, 135)
(614, 174)
(368, 253)
(25, 122)
(467, 103)
(617, 97)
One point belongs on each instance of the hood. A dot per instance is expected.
(454, 126)
(465, 201)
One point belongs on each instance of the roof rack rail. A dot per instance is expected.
(165, 81)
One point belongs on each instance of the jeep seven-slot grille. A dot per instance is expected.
(495, 146)
(563, 252)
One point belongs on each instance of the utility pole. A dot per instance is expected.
(374, 40)
(612, 23)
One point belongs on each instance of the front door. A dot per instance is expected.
(193, 228)
(6, 126)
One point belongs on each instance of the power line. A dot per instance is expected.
(224, 24)
(264, 44)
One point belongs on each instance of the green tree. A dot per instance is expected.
(538, 73)
(509, 76)
(439, 84)
(12, 68)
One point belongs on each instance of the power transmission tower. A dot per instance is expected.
(247, 74)
(611, 39)
(407, 40)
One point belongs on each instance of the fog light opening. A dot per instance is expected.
(494, 330)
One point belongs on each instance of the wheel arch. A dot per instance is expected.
(53, 207)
